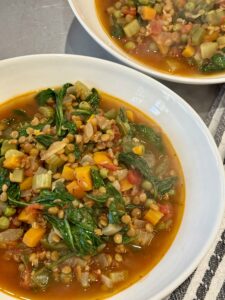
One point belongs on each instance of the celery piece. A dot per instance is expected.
(54, 162)
(6, 145)
(17, 175)
(42, 181)
(208, 49)
(197, 36)
(132, 28)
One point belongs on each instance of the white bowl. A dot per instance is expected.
(86, 14)
(202, 166)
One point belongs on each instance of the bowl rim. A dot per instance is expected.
(189, 111)
(141, 67)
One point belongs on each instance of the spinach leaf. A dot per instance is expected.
(69, 127)
(4, 177)
(165, 185)
(116, 29)
(44, 95)
(147, 134)
(59, 117)
(23, 129)
(47, 198)
(77, 151)
(83, 217)
(45, 139)
(96, 178)
(13, 193)
(94, 99)
(122, 122)
(117, 207)
(86, 242)
(63, 227)
(216, 63)
(98, 198)
(21, 114)
(131, 159)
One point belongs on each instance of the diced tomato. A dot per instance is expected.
(117, 134)
(186, 28)
(34, 206)
(134, 177)
(167, 210)
(130, 11)
(110, 167)
(156, 27)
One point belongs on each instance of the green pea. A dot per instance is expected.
(84, 105)
(9, 211)
(190, 6)
(146, 185)
(130, 45)
(104, 172)
(4, 223)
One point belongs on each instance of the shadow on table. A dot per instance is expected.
(80, 42)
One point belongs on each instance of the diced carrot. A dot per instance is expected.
(125, 185)
(83, 176)
(139, 150)
(211, 37)
(153, 216)
(188, 51)
(27, 216)
(68, 173)
(110, 167)
(33, 236)
(75, 189)
(147, 13)
(101, 158)
(26, 184)
(12, 162)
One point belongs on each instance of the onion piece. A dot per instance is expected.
(10, 235)
(84, 279)
(118, 276)
(107, 281)
(111, 229)
(54, 148)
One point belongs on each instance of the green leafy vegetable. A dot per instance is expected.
(47, 198)
(131, 159)
(77, 151)
(44, 95)
(117, 207)
(4, 177)
(69, 127)
(216, 63)
(83, 217)
(117, 30)
(13, 193)
(94, 99)
(165, 185)
(45, 139)
(147, 134)
(63, 227)
(96, 178)
(122, 122)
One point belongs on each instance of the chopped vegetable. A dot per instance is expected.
(33, 236)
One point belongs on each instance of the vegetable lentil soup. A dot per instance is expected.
(91, 196)
(184, 37)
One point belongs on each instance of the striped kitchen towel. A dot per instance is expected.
(208, 281)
